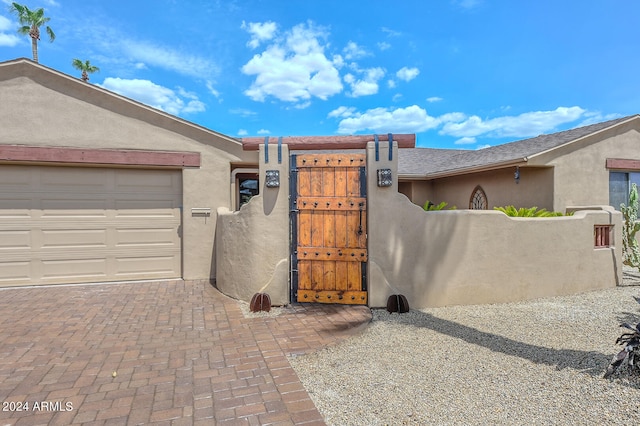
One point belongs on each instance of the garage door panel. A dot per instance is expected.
(73, 238)
(15, 240)
(161, 207)
(67, 233)
(146, 266)
(138, 181)
(147, 237)
(14, 206)
(73, 207)
(72, 270)
(74, 180)
(17, 272)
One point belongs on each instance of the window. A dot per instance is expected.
(602, 234)
(478, 199)
(247, 187)
(619, 187)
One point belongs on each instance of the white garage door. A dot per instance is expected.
(73, 224)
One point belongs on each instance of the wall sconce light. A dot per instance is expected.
(384, 177)
(516, 175)
(272, 178)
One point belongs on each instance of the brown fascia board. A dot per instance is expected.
(111, 101)
(110, 157)
(328, 142)
(622, 164)
(467, 170)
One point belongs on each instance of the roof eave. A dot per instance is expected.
(467, 170)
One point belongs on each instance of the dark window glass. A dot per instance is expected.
(618, 189)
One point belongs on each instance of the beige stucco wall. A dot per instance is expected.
(581, 176)
(48, 109)
(471, 257)
(253, 243)
(433, 258)
(535, 188)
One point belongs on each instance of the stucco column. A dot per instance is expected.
(380, 207)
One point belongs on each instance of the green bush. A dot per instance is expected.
(630, 227)
(527, 212)
(429, 206)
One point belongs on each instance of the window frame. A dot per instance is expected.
(472, 200)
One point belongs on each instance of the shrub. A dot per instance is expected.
(527, 212)
(429, 206)
(630, 227)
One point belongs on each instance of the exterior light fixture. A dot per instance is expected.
(384, 177)
(516, 175)
(272, 178)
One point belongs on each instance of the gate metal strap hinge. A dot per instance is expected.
(375, 139)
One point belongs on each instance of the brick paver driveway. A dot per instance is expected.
(183, 353)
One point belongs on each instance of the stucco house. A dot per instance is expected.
(590, 165)
(96, 187)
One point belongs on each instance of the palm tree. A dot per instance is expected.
(85, 67)
(31, 21)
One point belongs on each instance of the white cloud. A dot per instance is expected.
(368, 84)
(156, 96)
(242, 132)
(264, 132)
(391, 84)
(407, 74)
(243, 112)
(597, 117)
(433, 99)
(342, 111)
(523, 125)
(353, 51)
(396, 97)
(7, 39)
(390, 32)
(294, 69)
(411, 119)
(167, 58)
(260, 32)
(414, 119)
(383, 45)
(479, 147)
(467, 140)
(212, 89)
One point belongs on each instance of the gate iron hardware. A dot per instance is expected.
(397, 303)
(260, 302)
(361, 205)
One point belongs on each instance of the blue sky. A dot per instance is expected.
(458, 73)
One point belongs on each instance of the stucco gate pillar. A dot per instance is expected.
(252, 244)
(382, 187)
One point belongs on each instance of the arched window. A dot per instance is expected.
(478, 199)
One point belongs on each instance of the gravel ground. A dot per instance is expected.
(538, 362)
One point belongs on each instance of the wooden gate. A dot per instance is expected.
(328, 228)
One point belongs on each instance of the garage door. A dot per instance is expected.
(72, 224)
